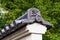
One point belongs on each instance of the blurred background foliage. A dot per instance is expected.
(50, 11)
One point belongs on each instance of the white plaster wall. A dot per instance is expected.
(30, 32)
(37, 28)
(32, 37)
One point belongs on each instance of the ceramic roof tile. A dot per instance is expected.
(32, 15)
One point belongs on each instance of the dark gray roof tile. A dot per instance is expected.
(32, 15)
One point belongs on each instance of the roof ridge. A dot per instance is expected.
(32, 15)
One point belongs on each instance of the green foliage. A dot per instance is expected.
(50, 10)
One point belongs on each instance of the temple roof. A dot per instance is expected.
(31, 16)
